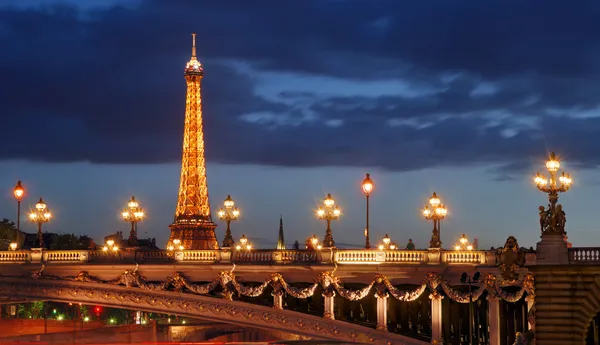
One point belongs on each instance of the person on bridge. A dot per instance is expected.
(410, 245)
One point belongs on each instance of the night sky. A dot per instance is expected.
(302, 98)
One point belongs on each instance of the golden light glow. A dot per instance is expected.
(387, 239)
(229, 212)
(434, 201)
(244, 244)
(553, 164)
(192, 200)
(368, 185)
(229, 203)
(319, 247)
(328, 211)
(110, 242)
(329, 202)
(314, 240)
(133, 213)
(463, 243)
(19, 191)
(435, 210)
(105, 248)
(41, 205)
(553, 184)
(176, 241)
(13, 246)
(386, 243)
(41, 213)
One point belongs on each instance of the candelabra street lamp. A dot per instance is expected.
(39, 216)
(463, 244)
(467, 279)
(387, 244)
(133, 214)
(176, 244)
(435, 212)
(312, 243)
(19, 193)
(13, 246)
(328, 212)
(367, 187)
(552, 221)
(228, 213)
(110, 246)
(244, 244)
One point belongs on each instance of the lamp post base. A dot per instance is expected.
(552, 250)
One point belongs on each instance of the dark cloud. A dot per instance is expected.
(107, 85)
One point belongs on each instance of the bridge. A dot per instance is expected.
(372, 296)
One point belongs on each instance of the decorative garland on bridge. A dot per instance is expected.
(327, 280)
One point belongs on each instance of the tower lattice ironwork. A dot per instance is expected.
(193, 224)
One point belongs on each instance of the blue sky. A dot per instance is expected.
(301, 100)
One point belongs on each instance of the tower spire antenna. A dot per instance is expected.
(193, 44)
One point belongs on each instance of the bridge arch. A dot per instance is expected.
(196, 306)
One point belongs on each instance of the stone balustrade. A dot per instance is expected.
(268, 257)
(584, 255)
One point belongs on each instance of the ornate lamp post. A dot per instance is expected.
(228, 213)
(463, 244)
(386, 244)
(312, 243)
(110, 246)
(176, 244)
(367, 187)
(435, 212)
(133, 214)
(467, 279)
(552, 220)
(39, 216)
(244, 244)
(19, 193)
(328, 212)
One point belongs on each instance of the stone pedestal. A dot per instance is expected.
(436, 318)
(552, 250)
(434, 256)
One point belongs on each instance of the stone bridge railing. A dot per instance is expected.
(584, 255)
(257, 257)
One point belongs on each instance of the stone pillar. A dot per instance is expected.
(436, 317)
(530, 314)
(382, 303)
(494, 319)
(277, 299)
(328, 304)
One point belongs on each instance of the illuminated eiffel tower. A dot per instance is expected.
(193, 224)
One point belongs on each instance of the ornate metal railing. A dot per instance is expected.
(268, 257)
